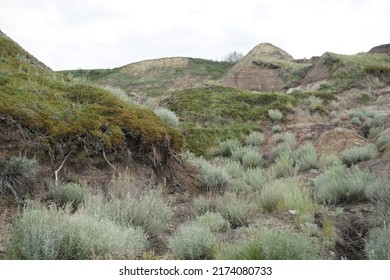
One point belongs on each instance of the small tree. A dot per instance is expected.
(234, 57)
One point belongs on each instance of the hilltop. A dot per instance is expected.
(157, 76)
(268, 158)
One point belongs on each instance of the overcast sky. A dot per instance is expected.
(72, 34)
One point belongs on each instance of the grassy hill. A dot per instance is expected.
(347, 71)
(156, 77)
(57, 115)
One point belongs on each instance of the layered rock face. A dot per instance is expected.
(256, 71)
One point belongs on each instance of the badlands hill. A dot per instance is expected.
(269, 158)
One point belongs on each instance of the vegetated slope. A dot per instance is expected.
(337, 73)
(156, 77)
(213, 114)
(52, 115)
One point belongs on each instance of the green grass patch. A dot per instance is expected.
(213, 114)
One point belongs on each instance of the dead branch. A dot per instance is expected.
(58, 170)
(104, 155)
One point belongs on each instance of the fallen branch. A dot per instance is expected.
(58, 170)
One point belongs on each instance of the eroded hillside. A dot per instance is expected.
(273, 158)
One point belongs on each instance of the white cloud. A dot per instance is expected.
(100, 34)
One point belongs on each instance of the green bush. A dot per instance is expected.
(378, 245)
(227, 147)
(48, 234)
(16, 177)
(234, 208)
(286, 194)
(213, 221)
(270, 245)
(275, 115)
(314, 102)
(71, 193)
(340, 184)
(255, 139)
(306, 157)
(193, 242)
(355, 155)
(167, 116)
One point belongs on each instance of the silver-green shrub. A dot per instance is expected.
(286, 194)
(314, 102)
(214, 221)
(215, 178)
(382, 140)
(227, 147)
(255, 178)
(147, 210)
(251, 159)
(167, 116)
(275, 115)
(255, 139)
(378, 245)
(193, 242)
(357, 154)
(306, 157)
(268, 244)
(234, 208)
(42, 233)
(340, 184)
(63, 194)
